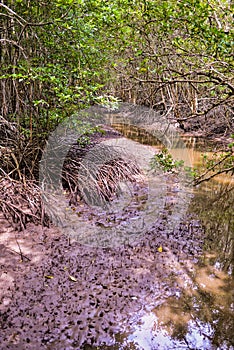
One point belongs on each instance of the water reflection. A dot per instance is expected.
(201, 317)
(197, 320)
(153, 335)
(137, 134)
(213, 203)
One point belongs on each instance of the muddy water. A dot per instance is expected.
(201, 316)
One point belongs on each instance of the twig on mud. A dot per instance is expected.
(20, 253)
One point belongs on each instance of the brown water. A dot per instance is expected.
(201, 316)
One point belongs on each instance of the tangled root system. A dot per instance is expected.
(96, 178)
(92, 173)
(21, 203)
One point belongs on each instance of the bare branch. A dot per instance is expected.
(12, 12)
(12, 42)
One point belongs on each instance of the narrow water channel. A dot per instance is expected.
(201, 316)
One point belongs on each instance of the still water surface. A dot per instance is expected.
(201, 317)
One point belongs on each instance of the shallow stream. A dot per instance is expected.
(201, 316)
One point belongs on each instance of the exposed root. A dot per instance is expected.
(21, 203)
(96, 179)
(92, 173)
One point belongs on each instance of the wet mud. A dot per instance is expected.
(56, 293)
(60, 294)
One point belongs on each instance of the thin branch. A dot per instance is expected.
(12, 12)
(12, 42)
(20, 253)
(204, 112)
(227, 170)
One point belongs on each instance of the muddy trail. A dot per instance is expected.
(60, 294)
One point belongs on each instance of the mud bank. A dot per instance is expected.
(63, 295)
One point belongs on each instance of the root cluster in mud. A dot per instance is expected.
(21, 199)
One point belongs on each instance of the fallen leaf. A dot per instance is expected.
(49, 277)
(160, 249)
(72, 278)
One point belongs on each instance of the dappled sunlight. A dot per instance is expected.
(113, 117)
(191, 320)
(19, 252)
(211, 280)
(168, 289)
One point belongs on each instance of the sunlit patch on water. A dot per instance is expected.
(194, 320)
(152, 334)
